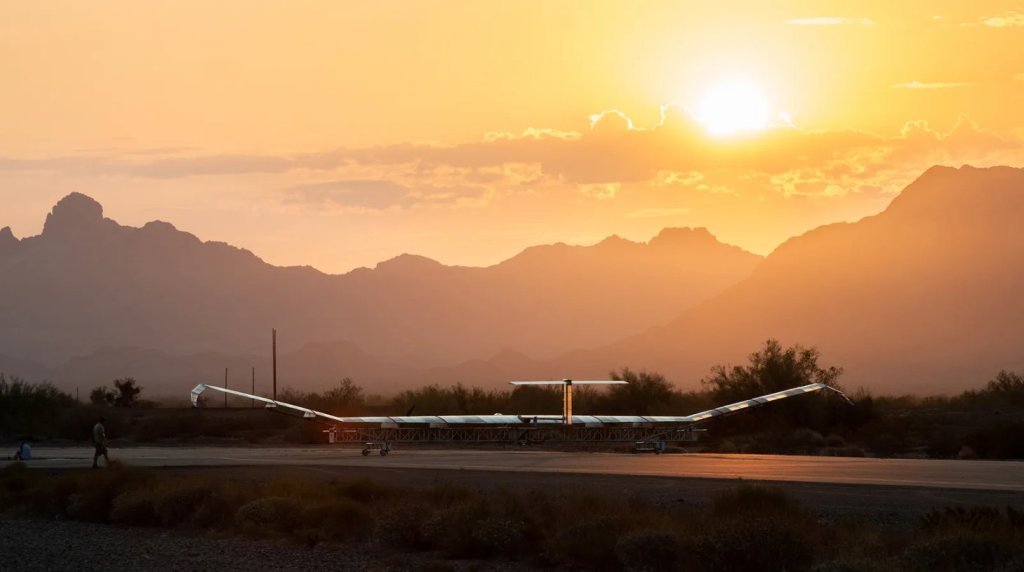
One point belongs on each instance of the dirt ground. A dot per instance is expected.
(886, 505)
(37, 544)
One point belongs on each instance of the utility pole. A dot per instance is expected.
(225, 387)
(273, 347)
(77, 398)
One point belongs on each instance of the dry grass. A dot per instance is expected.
(742, 528)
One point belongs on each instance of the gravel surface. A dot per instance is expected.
(57, 545)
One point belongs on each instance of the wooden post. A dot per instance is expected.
(273, 347)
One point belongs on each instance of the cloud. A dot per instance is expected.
(929, 85)
(352, 193)
(601, 191)
(615, 161)
(657, 212)
(1009, 19)
(830, 21)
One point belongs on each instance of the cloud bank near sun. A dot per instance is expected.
(676, 152)
(505, 189)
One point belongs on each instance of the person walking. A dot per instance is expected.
(99, 438)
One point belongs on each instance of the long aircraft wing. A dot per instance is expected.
(521, 420)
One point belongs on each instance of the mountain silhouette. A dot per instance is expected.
(924, 297)
(118, 300)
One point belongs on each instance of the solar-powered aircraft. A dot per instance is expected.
(647, 432)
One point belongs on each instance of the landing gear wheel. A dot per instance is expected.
(366, 452)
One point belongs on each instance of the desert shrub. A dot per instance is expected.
(447, 494)
(590, 542)
(755, 543)
(295, 488)
(835, 440)
(199, 503)
(961, 551)
(15, 478)
(90, 494)
(401, 526)
(496, 536)
(648, 550)
(806, 438)
(756, 527)
(302, 434)
(166, 425)
(975, 518)
(728, 447)
(177, 502)
(270, 516)
(75, 423)
(336, 520)
(943, 443)
(755, 500)
(959, 538)
(30, 408)
(1001, 440)
(366, 490)
(844, 452)
(451, 529)
(134, 507)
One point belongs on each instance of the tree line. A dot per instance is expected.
(985, 422)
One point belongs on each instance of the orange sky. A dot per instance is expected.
(339, 134)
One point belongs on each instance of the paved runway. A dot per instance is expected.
(978, 475)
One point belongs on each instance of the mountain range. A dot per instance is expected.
(924, 297)
(88, 299)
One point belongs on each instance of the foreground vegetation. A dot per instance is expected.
(745, 527)
(987, 423)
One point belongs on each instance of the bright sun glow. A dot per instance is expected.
(732, 107)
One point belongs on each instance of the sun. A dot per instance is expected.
(732, 107)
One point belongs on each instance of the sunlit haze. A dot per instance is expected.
(339, 135)
(733, 107)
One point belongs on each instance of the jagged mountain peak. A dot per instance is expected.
(74, 215)
(8, 241)
(408, 263)
(677, 236)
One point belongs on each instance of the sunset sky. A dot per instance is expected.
(340, 134)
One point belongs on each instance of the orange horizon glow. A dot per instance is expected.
(341, 135)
